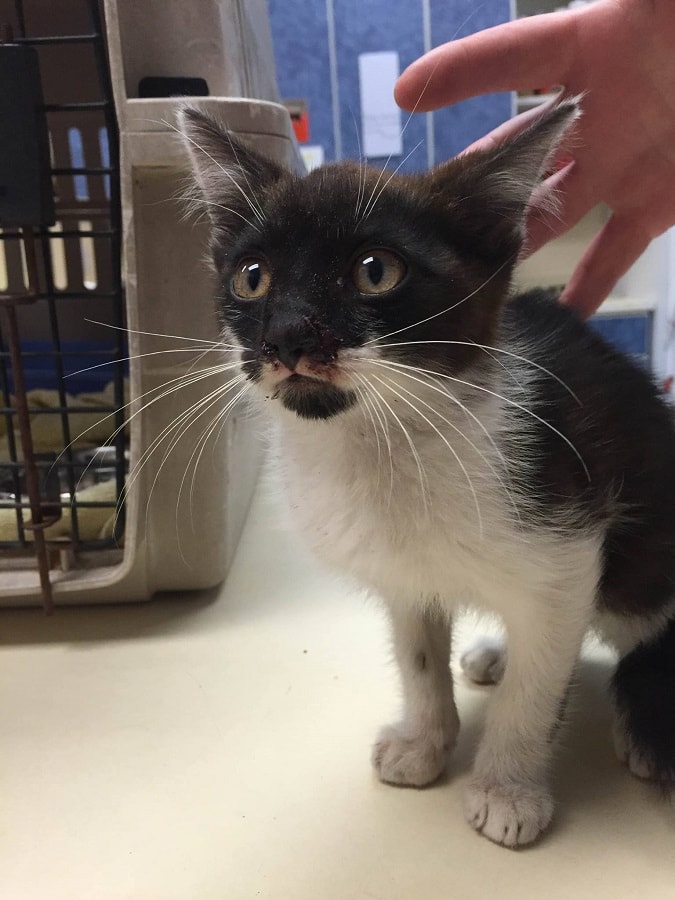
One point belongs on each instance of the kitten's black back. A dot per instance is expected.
(623, 430)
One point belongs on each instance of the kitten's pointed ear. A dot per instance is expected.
(231, 177)
(495, 186)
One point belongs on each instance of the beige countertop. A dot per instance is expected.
(215, 747)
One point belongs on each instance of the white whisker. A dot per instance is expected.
(507, 400)
(375, 413)
(487, 347)
(442, 312)
(258, 215)
(180, 423)
(122, 359)
(182, 417)
(449, 396)
(419, 100)
(370, 206)
(219, 419)
(368, 414)
(176, 337)
(424, 483)
(227, 209)
(243, 171)
(392, 387)
(363, 168)
(177, 384)
(381, 415)
(181, 426)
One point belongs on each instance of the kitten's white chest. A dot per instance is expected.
(408, 526)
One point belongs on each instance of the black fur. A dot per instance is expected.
(313, 399)
(644, 692)
(624, 432)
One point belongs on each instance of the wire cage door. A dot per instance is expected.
(126, 464)
(63, 447)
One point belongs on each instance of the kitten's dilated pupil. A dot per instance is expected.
(375, 269)
(254, 276)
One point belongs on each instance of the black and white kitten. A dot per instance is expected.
(449, 444)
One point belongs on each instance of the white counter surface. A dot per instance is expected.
(216, 747)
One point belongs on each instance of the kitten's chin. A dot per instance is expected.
(312, 399)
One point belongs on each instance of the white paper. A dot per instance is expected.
(312, 155)
(380, 116)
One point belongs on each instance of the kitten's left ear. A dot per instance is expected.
(231, 177)
(494, 187)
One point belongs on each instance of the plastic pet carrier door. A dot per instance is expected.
(118, 477)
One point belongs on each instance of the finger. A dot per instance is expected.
(557, 205)
(611, 253)
(511, 127)
(532, 52)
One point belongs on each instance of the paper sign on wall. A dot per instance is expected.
(380, 116)
(312, 156)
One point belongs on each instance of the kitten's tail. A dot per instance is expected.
(644, 692)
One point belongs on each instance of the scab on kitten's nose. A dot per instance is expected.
(288, 342)
(279, 353)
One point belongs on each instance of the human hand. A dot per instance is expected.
(620, 54)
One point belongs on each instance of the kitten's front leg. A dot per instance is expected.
(414, 751)
(509, 800)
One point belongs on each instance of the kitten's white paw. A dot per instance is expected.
(402, 757)
(485, 661)
(508, 814)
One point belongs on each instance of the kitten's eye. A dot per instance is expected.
(378, 271)
(252, 280)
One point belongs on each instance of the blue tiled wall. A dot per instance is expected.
(366, 27)
(300, 35)
(457, 126)
(302, 32)
(632, 334)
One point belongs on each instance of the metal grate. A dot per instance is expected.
(62, 338)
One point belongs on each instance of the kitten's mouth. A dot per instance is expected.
(313, 398)
(295, 378)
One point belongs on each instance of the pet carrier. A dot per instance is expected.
(110, 489)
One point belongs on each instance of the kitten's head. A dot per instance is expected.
(323, 275)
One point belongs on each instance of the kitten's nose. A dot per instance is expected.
(286, 354)
(288, 342)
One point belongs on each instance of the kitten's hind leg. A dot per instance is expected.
(484, 662)
(415, 750)
(643, 687)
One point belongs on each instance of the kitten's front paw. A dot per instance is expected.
(508, 814)
(402, 757)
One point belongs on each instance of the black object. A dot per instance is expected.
(26, 196)
(164, 86)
